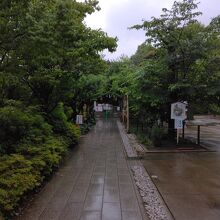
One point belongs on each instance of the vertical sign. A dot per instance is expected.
(178, 113)
(178, 124)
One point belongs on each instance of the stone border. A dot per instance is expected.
(131, 153)
(153, 202)
(135, 144)
(155, 207)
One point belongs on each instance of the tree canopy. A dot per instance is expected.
(50, 67)
(186, 49)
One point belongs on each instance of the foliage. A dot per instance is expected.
(180, 62)
(89, 88)
(157, 133)
(85, 127)
(18, 124)
(63, 127)
(149, 94)
(179, 39)
(45, 157)
(144, 52)
(49, 61)
(21, 174)
(120, 77)
(52, 49)
(215, 109)
(143, 136)
(17, 178)
(144, 139)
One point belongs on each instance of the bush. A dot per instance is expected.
(63, 127)
(51, 153)
(72, 133)
(58, 113)
(214, 109)
(68, 112)
(34, 151)
(85, 127)
(18, 125)
(68, 130)
(14, 126)
(144, 139)
(17, 178)
(157, 133)
(44, 157)
(21, 174)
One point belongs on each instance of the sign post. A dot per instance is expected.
(79, 119)
(178, 126)
(178, 113)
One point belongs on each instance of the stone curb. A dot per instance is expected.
(131, 153)
(154, 205)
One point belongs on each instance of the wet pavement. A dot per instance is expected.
(95, 183)
(209, 135)
(189, 182)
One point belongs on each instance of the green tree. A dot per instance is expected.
(144, 52)
(48, 59)
(182, 43)
(88, 89)
(56, 60)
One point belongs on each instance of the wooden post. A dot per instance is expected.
(122, 110)
(127, 108)
(198, 135)
(183, 131)
(177, 136)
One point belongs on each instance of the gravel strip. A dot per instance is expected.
(128, 148)
(153, 203)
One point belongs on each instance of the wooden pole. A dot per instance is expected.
(183, 131)
(198, 135)
(127, 113)
(177, 136)
(122, 110)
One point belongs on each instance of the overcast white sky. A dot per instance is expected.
(116, 16)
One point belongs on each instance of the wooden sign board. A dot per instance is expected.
(79, 119)
(178, 111)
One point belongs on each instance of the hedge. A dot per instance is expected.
(30, 150)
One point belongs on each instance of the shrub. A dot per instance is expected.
(69, 112)
(14, 126)
(144, 139)
(34, 151)
(21, 174)
(44, 157)
(58, 113)
(18, 124)
(48, 156)
(72, 133)
(63, 127)
(157, 133)
(85, 127)
(214, 109)
(17, 178)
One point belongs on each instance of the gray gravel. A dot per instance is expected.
(154, 205)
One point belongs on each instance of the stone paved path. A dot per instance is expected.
(94, 184)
